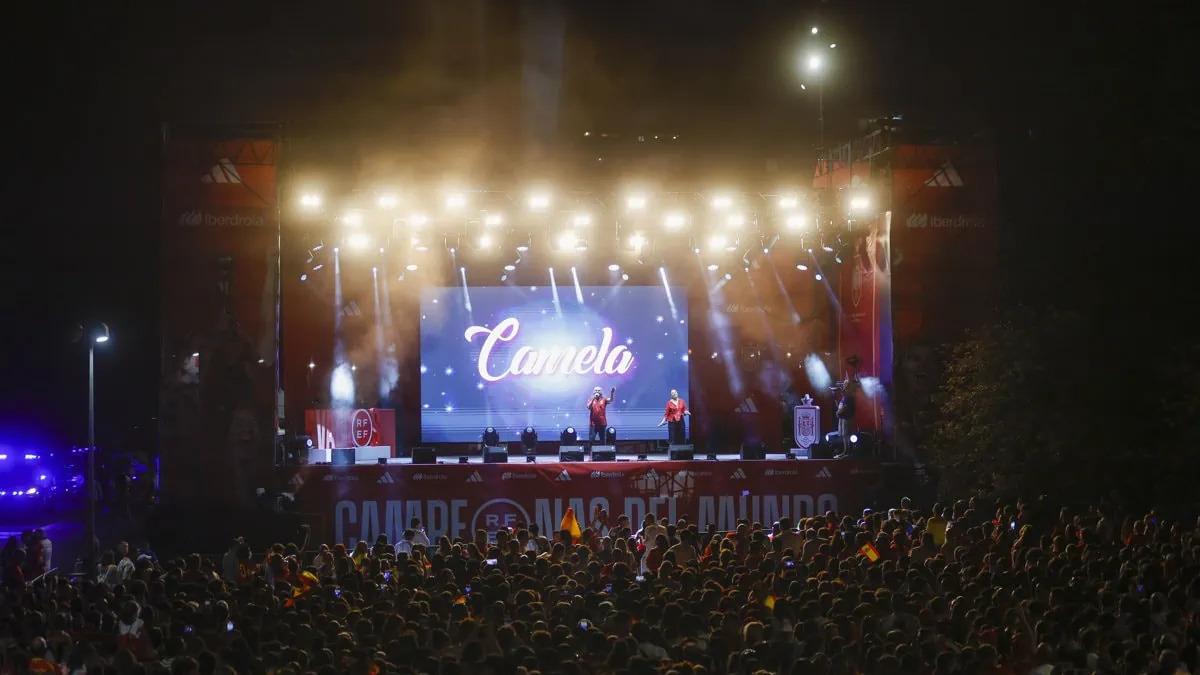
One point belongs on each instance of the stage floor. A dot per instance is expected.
(622, 457)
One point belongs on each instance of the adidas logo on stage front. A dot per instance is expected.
(738, 473)
(824, 473)
(475, 477)
(564, 476)
(386, 479)
(296, 480)
(748, 406)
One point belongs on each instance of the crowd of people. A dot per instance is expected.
(966, 587)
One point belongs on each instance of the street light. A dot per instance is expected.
(97, 334)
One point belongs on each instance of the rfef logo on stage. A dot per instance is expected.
(363, 426)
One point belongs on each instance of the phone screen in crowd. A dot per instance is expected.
(608, 588)
(467, 589)
(492, 562)
(1012, 525)
(337, 592)
(584, 625)
(790, 563)
(188, 629)
(387, 576)
(228, 626)
(640, 579)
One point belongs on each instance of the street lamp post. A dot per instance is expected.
(815, 66)
(99, 336)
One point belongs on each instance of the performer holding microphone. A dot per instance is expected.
(676, 411)
(597, 407)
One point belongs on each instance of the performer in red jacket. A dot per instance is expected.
(676, 410)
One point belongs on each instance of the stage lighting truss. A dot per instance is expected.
(640, 227)
(569, 436)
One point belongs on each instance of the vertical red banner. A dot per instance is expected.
(860, 276)
(220, 297)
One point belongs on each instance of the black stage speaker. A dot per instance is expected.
(495, 454)
(604, 453)
(754, 451)
(424, 455)
(341, 456)
(822, 450)
(681, 452)
(570, 453)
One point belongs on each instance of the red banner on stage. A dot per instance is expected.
(349, 503)
(351, 428)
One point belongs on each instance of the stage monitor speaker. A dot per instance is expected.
(424, 455)
(754, 451)
(604, 453)
(495, 455)
(570, 453)
(822, 450)
(341, 456)
(681, 452)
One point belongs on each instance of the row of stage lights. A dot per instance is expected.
(480, 222)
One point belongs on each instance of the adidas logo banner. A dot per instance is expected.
(738, 474)
(224, 171)
(824, 473)
(748, 406)
(946, 176)
(386, 479)
(564, 476)
(475, 477)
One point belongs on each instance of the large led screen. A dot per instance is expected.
(511, 357)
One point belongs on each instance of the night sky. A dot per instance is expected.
(1091, 107)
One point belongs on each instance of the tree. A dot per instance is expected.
(1011, 407)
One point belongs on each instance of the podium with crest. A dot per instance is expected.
(806, 426)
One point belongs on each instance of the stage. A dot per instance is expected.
(348, 503)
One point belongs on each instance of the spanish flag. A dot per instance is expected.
(868, 549)
(41, 666)
(307, 582)
(570, 524)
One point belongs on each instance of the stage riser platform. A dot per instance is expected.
(348, 503)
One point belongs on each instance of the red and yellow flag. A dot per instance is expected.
(307, 582)
(868, 549)
(571, 524)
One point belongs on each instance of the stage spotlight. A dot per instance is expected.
(788, 202)
(387, 200)
(624, 277)
(352, 218)
(456, 200)
(418, 219)
(582, 219)
(485, 241)
(728, 276)
(310, 201)
(713, 267)
(529, 440)
(539, 201)
(736, 220)
(802, 267)
(358, 240)
(675, 220)
(610, 436)
(493, 219)
(717, 242)
(838, 258)
(853, 438)
(859, 204)
(796, 222)
(510, 267)
(721, 202)
(637, 241)
(567, 241)
(818, 276)
(490, 437)
(826, 247)
(411, 267)
(568, 436)
(636, 202)
(614, 267)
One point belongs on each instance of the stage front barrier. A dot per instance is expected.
(348, 503)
